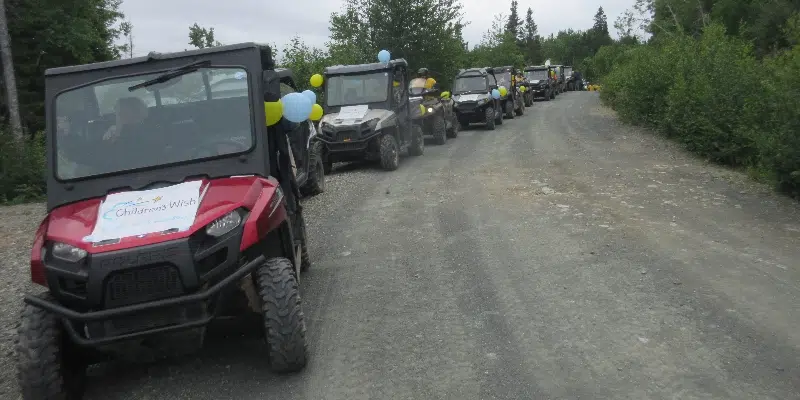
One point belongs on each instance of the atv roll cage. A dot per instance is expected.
(372, 84)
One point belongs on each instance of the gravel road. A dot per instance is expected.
(562, 256)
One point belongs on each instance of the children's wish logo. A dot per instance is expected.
(136, 213)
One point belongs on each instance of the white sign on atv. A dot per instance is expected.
(469, 97)
(353, 112)
(129, 214)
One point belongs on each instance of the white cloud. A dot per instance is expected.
(163, 25)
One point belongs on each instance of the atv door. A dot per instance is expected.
(400, 103)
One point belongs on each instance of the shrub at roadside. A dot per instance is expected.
(21, 169)
(716, 98)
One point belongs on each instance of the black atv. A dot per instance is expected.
(431, 112)
(541, 85)
(472, 97)
(512, 102)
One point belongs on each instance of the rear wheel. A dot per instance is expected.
(521, 109)
(552, 95)
(390, 153)
(281, 307)
(439, 130)
(49, 365)
(417, 147)
(489, 118)
(509, 106)
(315, 184)
(454, 128)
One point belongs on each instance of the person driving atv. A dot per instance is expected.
(130, 112)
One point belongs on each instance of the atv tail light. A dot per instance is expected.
(65, 252)
(224, 224)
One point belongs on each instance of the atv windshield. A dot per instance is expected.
(536, 75)
(105, 127)
(467, 84)
(568, 71)
(350, 90)
(504, 79)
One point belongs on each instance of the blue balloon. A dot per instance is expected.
(311, 95)
(384, 56)
(495, 93)
(296, 107)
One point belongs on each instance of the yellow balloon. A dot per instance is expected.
(422, 109)
(316, 80)
(274, 111)
(316, 112)
(503, 91)
(522, 89)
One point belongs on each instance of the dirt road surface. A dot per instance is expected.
(562, 256)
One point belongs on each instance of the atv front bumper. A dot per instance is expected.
(471, 112)
(345, 146)
(147, 290)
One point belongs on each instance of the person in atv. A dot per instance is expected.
(131, 112)
(430, 83)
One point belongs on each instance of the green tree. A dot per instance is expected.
(513, 23)
(533, 42)
(202, 37)
(427, 33)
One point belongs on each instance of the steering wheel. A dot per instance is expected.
(212, 148)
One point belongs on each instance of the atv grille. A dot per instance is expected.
(142, 284)
(467, 106)
(347, 135)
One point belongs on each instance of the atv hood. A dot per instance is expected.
(73, 224)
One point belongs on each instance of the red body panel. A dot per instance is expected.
(71, 223)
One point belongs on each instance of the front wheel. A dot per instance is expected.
(439, 130)
(49, 366)
(417, 147)
(390, 153)
(282, 311)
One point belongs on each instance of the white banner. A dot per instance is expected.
(139, 213)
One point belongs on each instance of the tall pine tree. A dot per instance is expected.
(532, 40)
(514, 24)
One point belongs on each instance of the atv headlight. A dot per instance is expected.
(371, 124)
(430, 109)
(482, 101)
(65, 252)
(224, 224)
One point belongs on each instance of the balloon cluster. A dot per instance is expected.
(295, 107)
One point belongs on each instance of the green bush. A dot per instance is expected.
(22, 168)
(714, 96)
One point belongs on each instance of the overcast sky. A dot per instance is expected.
(163, 25)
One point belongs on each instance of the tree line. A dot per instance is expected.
(722, 77)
